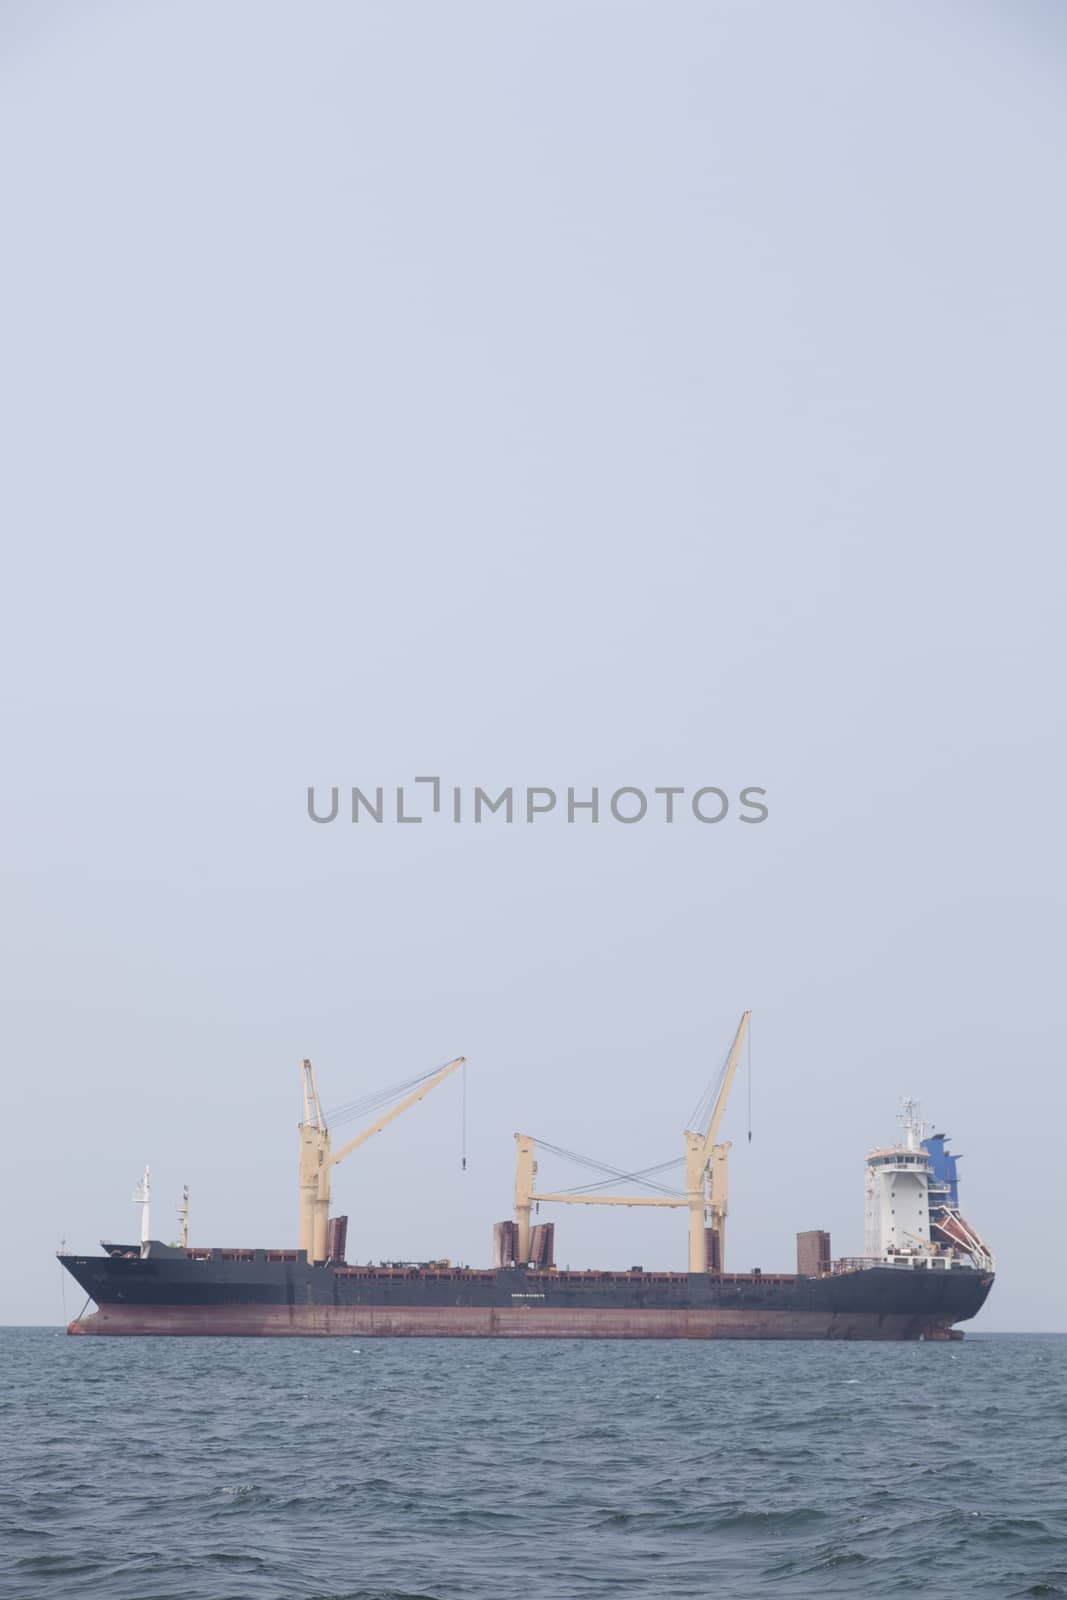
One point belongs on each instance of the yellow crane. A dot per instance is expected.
(706, 1178)
(526, 1196)
(317, 1160)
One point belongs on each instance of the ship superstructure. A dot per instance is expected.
(897, 1211)
(912, 1215)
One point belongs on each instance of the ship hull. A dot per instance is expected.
(368, 1322)
(175, 1293)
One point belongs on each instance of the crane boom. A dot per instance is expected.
(384, 1121)
(609, 1199)
(723, 1095)
(312, 1110)
(526, 1196)
(317, 1160)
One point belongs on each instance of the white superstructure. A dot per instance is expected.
(897, 1214)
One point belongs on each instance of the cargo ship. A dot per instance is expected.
(924, 1270)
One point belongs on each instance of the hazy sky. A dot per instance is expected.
(534, 394)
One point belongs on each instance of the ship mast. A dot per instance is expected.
(142, 1196)
(317, 1159)
(182, 1209)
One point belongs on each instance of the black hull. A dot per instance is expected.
(257, 1293)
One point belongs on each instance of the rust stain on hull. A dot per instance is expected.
(484, 1322)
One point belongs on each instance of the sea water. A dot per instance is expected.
(225, 1469)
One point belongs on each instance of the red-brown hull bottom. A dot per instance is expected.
(461, 1322)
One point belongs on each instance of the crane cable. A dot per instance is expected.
(701, 1113)
(633, 1177)
(613, 1173)
(381, 1097)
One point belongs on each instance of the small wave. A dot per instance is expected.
(56, 1566)
(770, 1521)
(372, 1594)
(1013, 1528)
